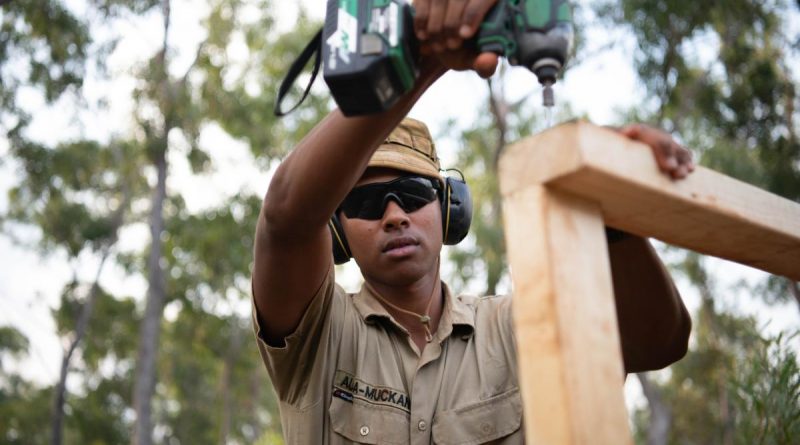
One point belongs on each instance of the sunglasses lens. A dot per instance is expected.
(369, 201)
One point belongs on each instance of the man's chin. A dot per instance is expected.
(399, 273)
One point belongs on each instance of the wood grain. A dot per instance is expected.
(570, 360)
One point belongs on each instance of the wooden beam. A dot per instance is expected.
(571, 373)
(559, 188)
(707, 212)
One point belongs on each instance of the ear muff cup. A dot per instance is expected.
(456, 211)
(456, 202)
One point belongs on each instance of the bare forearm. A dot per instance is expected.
(654, 324)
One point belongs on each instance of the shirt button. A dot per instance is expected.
(422, 425)
(364, 430)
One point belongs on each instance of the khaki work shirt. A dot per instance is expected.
(351, 374)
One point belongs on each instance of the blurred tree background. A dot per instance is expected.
(173, 360)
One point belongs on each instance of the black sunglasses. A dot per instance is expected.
(369, 201)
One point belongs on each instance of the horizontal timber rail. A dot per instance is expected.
(559, 189)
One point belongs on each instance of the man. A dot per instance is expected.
(404, 360)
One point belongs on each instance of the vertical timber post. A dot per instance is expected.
(570, 361)
(558, 188)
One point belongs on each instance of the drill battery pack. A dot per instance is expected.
(368, 53)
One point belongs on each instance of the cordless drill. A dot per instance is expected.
(369, 50)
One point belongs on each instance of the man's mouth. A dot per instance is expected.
(399, 243)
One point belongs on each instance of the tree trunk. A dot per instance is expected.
(145, 379)
(234, 348)
(150, 329)
(57, 422)
(660, 412)
(117, 219)
(725, 413)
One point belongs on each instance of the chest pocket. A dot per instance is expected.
(488, 421)
(362, 422)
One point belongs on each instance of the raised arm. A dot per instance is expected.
(292, 243)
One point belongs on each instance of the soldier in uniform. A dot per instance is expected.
(404, 360)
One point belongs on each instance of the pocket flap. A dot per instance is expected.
(371, 424)
(481, 422)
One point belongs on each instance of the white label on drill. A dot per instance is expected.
(393, 17)
(344, 40)
(384, 23)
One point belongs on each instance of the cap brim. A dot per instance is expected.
(402, 161)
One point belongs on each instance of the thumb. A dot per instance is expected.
(485, 64)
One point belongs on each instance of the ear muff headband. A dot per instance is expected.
(341, 249)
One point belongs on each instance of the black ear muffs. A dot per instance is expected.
(456, 211)
(456, 218)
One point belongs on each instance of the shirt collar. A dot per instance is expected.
(456, 312)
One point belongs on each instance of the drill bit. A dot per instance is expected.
(548, 100)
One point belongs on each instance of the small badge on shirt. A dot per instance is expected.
(347, 387)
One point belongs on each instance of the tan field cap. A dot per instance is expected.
(409, 147)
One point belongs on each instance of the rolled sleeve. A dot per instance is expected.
(293, 366)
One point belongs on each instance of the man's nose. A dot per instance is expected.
(394, 216)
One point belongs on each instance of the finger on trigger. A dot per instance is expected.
(452, 22)
(473, 16)
(435, 21)
(421, 11)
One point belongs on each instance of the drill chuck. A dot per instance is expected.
(536, 34)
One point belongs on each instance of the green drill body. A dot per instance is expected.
(370, 51)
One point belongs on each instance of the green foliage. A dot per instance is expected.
(718, 73)
(46, 43)
(240, 94)
(112, 316)
(214, 379)
(98, 415)
(740, 97)
(766, 394)
(212, 250)
(12, 341)
(79, 193)
(24, 410)
(72, 192)
(734, 385)
(111, 8)
(211, 361)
